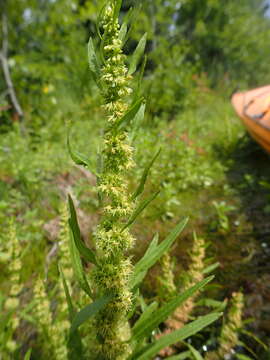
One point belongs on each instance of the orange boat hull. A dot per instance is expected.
(253, 107)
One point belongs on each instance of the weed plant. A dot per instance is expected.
(114, 282)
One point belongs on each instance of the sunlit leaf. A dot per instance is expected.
(137, 54)
(145, 175)
(148, 261)
(88, 312)
(87, 253)
(149, 351)
(140, 209)
(144, 328)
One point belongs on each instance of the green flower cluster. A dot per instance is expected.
(112, 242)
(228, 339)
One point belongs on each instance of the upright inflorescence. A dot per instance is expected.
(53, 333)
(112, 242)
(228, 339)
(12, 302)
(167, 287)
(192, 276)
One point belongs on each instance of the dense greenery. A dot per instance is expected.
(208, 169)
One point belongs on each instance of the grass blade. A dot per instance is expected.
(211, 268)
(145, 328)
(77, 265)
(137, 55)
(178, 335)
(129, 115)
(87, 253)
(182, 356)
(27, 356)
(71, 309)
(145, 175)
(195, 353)
(148, 261)
(88, 311)
(146, 314)
(93, 60)
(139, 209)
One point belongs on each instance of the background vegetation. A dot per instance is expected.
(198, 52)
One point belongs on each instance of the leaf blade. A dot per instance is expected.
(178, 335)
(88, 311)
(137, 54)
(146, 327)
(87, 253)
(145, 175)
(148, 261)
(139, 210)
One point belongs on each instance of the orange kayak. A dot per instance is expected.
(253, 107)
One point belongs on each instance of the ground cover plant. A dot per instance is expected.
(207, 169)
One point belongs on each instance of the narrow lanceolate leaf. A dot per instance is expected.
(242, 357)
(211, 268)
(117, 8)
(145, 175)
(148, 261)
(137, 122)
(74, 342)
(152, 246)
(87, 253)
(183, 356)
(195, 353)
(88, 312)
(27, 356)
(188, 330)
(139, 209)
(147, 313)
(78, 158)
(140, 78)
(71, 309)
(137, 55)
(123, 32)
(129, 116)
(124, 27)
(144, 329)
(77, 266)
(92, 59)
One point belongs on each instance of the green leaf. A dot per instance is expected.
(117, 8)
(92, 60)
(138, 119)
(88, 312)
(217, 305)
(147, 261)
(195, 354)
(182, 356)
(27, 355)
(77, 265)
(145, 175)
(243, 357)
(145, 328)
(77, 157)
(254, 337)
(140, 78)
(129, 116)
(71, 309)
(87, 253)
(137, 54)
(167, 340)
(211, 268)
(123, 30)
(139, 209)
(146, 314)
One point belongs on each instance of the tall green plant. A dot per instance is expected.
(114, 281)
